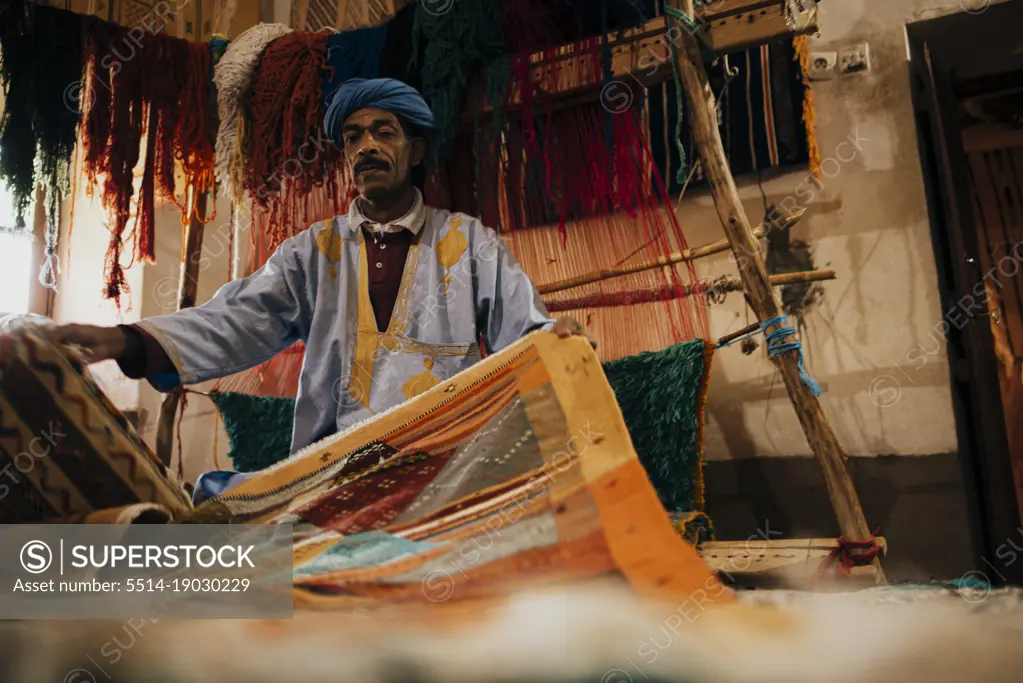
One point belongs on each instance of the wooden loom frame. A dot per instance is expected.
(721, 26)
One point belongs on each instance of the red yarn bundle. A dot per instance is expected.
(288, 156)
(151, 89)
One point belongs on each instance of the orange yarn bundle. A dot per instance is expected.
(154, 88)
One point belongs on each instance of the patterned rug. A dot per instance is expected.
(517, 472)
(661, 396)
(498, 527)
(66, 453)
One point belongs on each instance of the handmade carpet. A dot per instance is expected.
(517, 472)
(497, 527)
(66, 453)
(661, 395)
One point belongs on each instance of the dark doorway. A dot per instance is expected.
(966, 77)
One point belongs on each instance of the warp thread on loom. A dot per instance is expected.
(615, 197)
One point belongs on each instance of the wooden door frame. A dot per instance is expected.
(976, 396)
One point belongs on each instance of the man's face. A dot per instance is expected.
(378, 152)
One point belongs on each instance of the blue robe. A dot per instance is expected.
(459, 282)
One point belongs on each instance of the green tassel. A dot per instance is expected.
(446, 48)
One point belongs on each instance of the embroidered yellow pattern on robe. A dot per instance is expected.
(368, 336)
(328, 243)
(421, 383)
(369, 340)
(451, 248)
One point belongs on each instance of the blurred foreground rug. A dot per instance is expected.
(66, 453)
(499, 528)
(587, 633)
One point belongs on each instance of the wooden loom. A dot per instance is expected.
(720, 26)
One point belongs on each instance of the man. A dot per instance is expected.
(390, 299)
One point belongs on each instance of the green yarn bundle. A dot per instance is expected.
(660, 394)
(258, 427)
(448, 46)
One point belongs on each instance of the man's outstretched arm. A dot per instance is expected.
(245, 323)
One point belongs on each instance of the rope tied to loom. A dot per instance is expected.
(848, 559)
(776, 345)
(49, 273)
(691, 23)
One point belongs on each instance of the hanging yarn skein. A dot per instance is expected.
(154, 91)
(41, 49)
(41, 53)
(446, 48)
(194, 139)
(287, 112)
(17, 140)
(233, 76)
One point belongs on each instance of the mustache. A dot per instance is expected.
(368, 164)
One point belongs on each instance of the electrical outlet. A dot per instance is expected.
(854, 58)
(822, 65)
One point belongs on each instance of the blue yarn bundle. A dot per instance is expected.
(776, 345)
(352, 54)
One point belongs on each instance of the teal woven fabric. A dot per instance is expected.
(660, 395)
(258, 427)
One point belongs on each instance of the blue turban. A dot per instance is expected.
(387, 94)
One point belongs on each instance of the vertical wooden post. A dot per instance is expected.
(191, 251)
(753, 272)
(188, 285)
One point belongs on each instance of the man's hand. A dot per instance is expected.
(570, 327)
(97, 343)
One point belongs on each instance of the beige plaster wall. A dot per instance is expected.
(872, 341)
